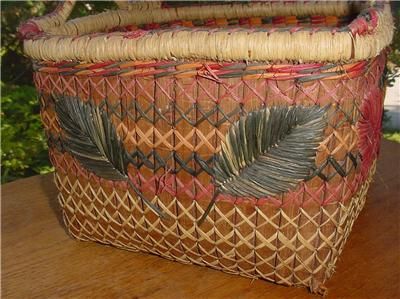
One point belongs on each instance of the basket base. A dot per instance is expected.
(290, 246)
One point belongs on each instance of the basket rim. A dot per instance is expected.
(53, 38)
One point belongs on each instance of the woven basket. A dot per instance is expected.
(238, 136)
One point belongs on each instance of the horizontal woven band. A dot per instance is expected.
(211, 70)
(87, 39)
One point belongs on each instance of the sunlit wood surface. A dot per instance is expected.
(39, 260)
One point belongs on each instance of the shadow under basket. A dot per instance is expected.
(238, 136)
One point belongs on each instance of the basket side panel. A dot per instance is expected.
(172, 127)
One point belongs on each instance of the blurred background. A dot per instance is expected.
(23, 144)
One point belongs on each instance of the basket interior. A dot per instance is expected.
(229, 15)
(282, 22)
(279, 22)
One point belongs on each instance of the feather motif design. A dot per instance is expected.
(270, 151)
(90, 137)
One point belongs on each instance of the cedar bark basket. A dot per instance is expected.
(164, 96)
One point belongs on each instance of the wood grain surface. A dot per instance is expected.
(39, 260)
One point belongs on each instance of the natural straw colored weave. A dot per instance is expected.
(70, 39)
(161, 92)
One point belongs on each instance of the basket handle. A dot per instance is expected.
(59, 16)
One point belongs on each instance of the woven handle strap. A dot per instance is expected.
(59, 16)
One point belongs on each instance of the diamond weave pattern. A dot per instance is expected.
(289, 245)
(173, 127)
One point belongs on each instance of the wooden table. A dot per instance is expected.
(40, 260)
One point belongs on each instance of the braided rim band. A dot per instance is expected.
(211, 70)
(81, 39)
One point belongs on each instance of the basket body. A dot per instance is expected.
(291, 239)
(173, 116)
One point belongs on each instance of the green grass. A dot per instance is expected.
(392, 136)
